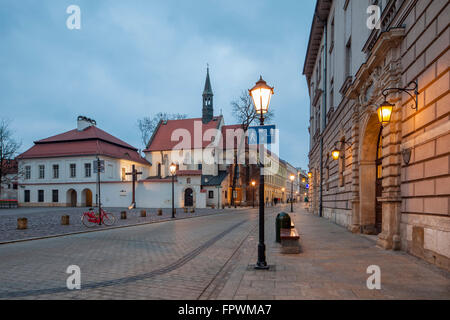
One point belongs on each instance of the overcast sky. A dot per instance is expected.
(135, 58)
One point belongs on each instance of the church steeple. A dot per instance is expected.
(208, 106)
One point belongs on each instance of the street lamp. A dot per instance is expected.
(173, 170)
(292, 178)
(253, 198)
(309, 174)
(261, 94)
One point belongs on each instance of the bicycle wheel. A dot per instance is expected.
(85, 220)
(108, 219)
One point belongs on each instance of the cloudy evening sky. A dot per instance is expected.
(135, 58)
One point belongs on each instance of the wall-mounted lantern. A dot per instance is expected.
(335, 153)
(384, 111)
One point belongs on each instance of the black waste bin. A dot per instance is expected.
(283, 221)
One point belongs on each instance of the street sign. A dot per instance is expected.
(307, 186)
(261, 134)
(102, 166)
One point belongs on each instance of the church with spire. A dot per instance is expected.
(208, 100)
(196, 146)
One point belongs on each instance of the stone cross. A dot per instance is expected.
(134, 173)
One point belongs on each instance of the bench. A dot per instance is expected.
(290, 240)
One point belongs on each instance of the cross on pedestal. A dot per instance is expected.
(134, 173)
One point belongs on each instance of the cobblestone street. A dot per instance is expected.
(43, 222)
(208, 258)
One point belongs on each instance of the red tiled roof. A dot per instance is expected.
(90, 133)
(161, 139)
(91, 141)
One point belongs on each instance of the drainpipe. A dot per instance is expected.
(323, 114)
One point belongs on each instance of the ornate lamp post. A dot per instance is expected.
(253, 187)
(261, 94)
(292, 178)
(173, 170)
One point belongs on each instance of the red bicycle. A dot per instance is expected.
(91, 219)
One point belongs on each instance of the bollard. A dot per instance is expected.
(223, 206)
(22, 223)
(185, 210)
(123, 215)
(143, 213)
(65, 220)
(159, 212)
(192, 210)
(213, 206)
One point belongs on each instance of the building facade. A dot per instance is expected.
(391, 180)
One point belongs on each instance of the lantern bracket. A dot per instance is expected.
(408, 90)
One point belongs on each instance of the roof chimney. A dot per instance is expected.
(84, 123)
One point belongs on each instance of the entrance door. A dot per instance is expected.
(188, 197)
(378, 182)
(73, 198)
(88, 198)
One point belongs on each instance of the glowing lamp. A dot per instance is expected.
(384, 112)
(173, 169)
(261, 94)
(335, 154)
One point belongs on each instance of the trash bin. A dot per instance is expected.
(283, 221)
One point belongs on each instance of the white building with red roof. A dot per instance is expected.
(59, 170)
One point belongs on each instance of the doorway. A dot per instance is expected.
(188, 197)
(378, 183)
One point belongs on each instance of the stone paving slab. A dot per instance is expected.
(43, 222)
(333, 265)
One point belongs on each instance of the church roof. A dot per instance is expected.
(161, 139)
(90, 141)
(208, 88)
(209, 180)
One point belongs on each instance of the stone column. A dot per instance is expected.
(355, 226)
(389, 238)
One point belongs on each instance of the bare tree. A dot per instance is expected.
(246, 115)
(8, 150)
(147, 125)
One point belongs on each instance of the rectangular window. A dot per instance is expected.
(55, 196)
(211, 194)
(55, 171)
(41, 172)
(87, 170)
(73, 170)
(28, 172)
(40, 195)
(26, 196)
(14, 186)
(348, 59)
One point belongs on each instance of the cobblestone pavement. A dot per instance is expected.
(208, 258)
(332, 265)
(47, 221)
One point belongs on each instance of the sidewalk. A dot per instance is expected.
(332, 265)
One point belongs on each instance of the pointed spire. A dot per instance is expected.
(208, 89)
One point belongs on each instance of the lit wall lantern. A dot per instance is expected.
(309, 175)
(384, 111)
(292, 177)
(335, 154)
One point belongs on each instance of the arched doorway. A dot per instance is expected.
(378, 183)
(71, 198)
(188, 197)
(87, 197)
(369, 177)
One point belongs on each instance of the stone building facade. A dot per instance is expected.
(391, 180)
